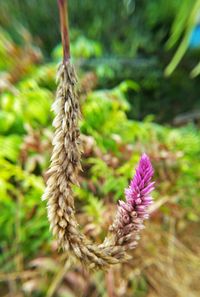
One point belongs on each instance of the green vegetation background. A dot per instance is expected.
(128, 106)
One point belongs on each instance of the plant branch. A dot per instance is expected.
(64, 27)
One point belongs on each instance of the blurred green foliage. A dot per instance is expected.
(121, 40)
(122, 27)
(183, 25)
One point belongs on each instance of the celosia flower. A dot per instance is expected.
(132, 212)
(65, 164)
(138, 193)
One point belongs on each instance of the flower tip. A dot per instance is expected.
(145, 157)
(145, 161)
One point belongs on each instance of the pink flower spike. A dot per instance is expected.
(138, 193)
(132, 212)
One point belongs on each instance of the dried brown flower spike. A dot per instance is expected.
(65, 165)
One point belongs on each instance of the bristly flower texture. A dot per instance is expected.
(132, 212)
(63, 173)
(138, 193)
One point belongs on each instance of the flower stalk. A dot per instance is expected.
(64, 27)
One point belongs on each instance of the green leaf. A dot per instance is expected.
(10, 147)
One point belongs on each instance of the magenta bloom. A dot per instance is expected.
(132, 212)
(138, 193)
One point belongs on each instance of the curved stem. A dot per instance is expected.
(64, 27)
